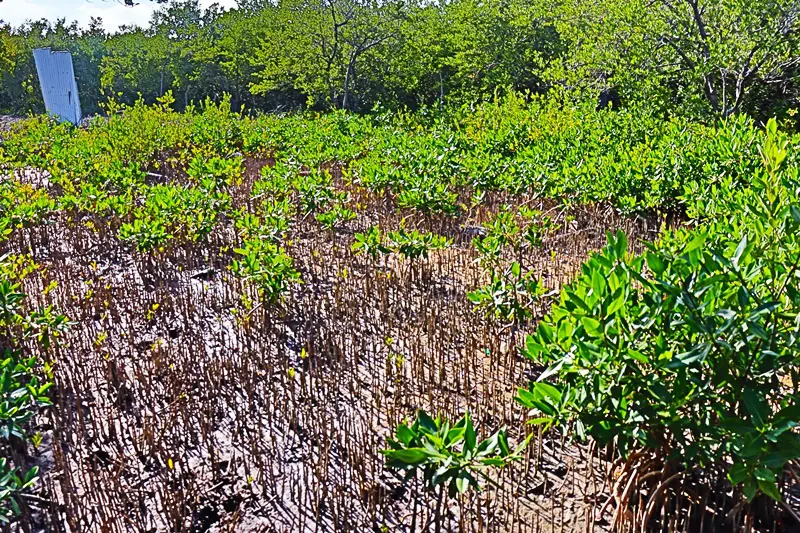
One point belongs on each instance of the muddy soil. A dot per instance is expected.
(185, 403)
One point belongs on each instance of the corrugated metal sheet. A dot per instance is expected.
(59, 89)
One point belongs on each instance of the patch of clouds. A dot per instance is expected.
(113, 12)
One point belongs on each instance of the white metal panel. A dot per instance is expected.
(59, 88)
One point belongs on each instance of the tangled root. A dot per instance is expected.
(644, 482)
(640, 474)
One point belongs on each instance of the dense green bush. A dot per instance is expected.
(24, 380)
(630, 158)
(690, 349)
(722, 58)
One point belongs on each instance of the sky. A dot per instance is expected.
(113, 12)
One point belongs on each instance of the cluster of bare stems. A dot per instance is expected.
(182, 403)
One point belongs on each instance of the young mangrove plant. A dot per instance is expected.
(509, 296)
(449, 457)
(22, 390)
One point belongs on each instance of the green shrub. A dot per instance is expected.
(267, 265)
(334, 216)
(371, 242)
(691, 349)
(448, 456)
(413, 244)
(509, 296)
(12, 484)
(22, 391)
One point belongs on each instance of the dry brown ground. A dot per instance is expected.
(176, 410)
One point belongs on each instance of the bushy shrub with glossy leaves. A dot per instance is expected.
(690, 349)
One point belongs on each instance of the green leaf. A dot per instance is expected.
(462, 484)
(546, 390)
(454, 436)
(426, 422)
(750, 489)
(405, 434)
(545, 333)
(488, 446)
(31, 474)
(656, 264)
(618, 300)
(410, 456)
(774, 460)
(502, 441)
(621, 246)
(470, 438)
(740, 249)
(743, 296)
(592, 326)
(738, 473)
(697, 354)
(638, 356)
(696, 242)
(598, 282)
(532, 348)
(764, 474)
(756, 405)
(544, 407)
(770, 488)
(795, 210)
(525, 397)
(753, 446)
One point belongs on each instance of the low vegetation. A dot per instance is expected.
(211, 320)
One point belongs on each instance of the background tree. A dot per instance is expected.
(700, 56)
(136, 64)
(706, 59)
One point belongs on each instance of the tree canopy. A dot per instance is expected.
(705, 58)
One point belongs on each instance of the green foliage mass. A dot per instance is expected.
(691, 348)
(703, 59)
(448, 455)
(687, 349)
(24, 381)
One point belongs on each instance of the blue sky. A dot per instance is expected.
(112, 12)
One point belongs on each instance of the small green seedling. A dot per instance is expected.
(448, 455)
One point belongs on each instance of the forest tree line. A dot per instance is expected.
(703, 58)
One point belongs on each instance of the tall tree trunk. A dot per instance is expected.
(163, 71)
(711, 92)
(348, 75)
